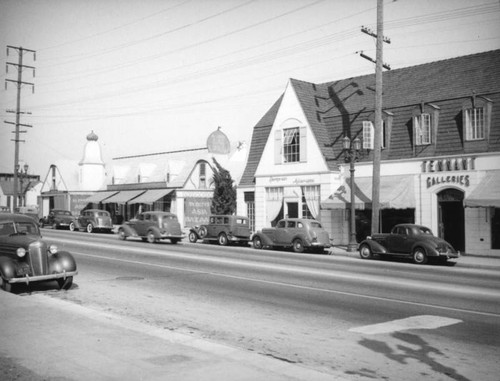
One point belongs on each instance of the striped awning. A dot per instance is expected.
(151, 196)
(123, 197)
(487, 193)
(100, 196)
(396, 192)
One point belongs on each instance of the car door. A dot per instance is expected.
(141, 224)
(284, 232)
(398, 240)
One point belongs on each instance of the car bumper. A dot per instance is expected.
(171, 236)
(449, 255)
(27, 279)
(319, 244)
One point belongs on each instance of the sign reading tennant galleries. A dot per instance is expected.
(439, 166)
(196, 211)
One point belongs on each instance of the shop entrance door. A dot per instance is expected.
(292, 209)
(452, 217)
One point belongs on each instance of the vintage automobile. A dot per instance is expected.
(152, 227)
(95, 220)
(26, 258)
(224, 229)
(296, 233)
(408, 240)
(59, 218)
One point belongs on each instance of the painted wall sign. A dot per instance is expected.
(196, 211)
(449, 164)
(462, 180)
(284, 180)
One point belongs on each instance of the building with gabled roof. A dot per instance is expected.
(179, 181)
(440, 153)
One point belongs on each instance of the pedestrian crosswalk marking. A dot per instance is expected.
(414, 322)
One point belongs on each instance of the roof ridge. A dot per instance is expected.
(468, 56)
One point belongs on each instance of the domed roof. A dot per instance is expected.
(218, 142)
(92, 151)
(92, 136)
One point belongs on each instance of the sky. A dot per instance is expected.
(160, 75)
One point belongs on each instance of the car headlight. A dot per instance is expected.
(53, 249)
(21, 252)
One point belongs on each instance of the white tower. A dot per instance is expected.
(92, 173)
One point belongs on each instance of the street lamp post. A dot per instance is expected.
(351, 154)
(22, 175)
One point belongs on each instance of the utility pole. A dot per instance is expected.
(19, 83)
(379, 65)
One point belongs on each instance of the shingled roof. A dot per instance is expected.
(331, 108)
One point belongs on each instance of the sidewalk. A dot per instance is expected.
(43, 338)
(465, 260)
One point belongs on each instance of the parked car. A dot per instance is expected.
(31, 211)
(95, 219)
(59, 218)
(26, 258)
(224, 229)
(4, 209)
(296, 233)
(409, 241)
(152, 227)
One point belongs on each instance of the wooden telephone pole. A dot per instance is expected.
(19, 84)
(379, 65)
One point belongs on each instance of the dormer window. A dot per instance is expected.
(477, 118)
(422, 126)
(368, 134)
(474, 123)
(425, 124)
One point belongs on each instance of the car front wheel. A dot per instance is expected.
(298, 246)
(223, 241)
(257, 243)
(90, 228)
(72, 226)
(419, 256)
(193, 237)
(4, 285)
(151, 237)
(365, 252)
(65, 284)
(121, 234)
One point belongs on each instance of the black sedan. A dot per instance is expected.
(26, 258)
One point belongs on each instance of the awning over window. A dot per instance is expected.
(487, 193)
(100, 196)
(123, 196)
(151, 196)
(396, 192)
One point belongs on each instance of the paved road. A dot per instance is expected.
(359, 319)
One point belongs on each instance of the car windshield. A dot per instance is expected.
(102, 214)
(64, 213)
(10, 228)
(315, 225)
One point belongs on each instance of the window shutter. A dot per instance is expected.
(303, 144)
(416, 130)
(277, 147)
